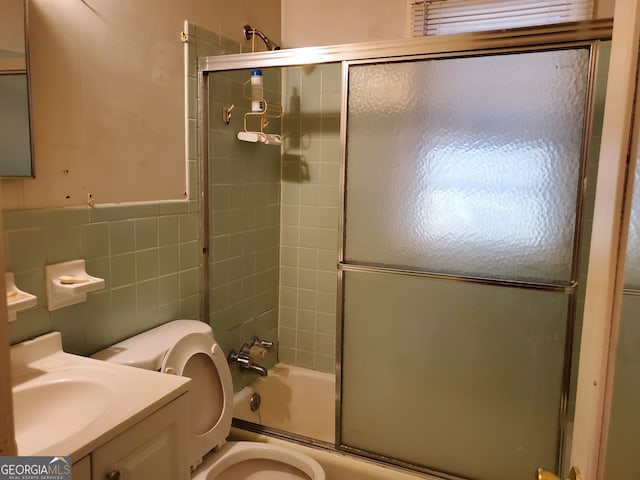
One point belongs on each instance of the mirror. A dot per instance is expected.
(16, 159)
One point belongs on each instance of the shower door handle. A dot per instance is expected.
(574, 474)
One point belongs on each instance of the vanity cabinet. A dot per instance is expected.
(154, 448)
(81, 470)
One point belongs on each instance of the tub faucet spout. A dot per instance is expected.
(245, 363)
(255, 368)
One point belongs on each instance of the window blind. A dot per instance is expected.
(437, 17)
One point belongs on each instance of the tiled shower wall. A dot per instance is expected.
(310, 216)
(274, 213)
(244, 219)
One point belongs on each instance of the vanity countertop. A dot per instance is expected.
(68, 405)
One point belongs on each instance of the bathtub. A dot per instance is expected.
(287, 396)
(302, 402)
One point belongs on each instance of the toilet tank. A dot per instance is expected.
(147, 349)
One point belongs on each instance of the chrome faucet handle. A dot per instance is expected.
(241, 358)
(262, 343)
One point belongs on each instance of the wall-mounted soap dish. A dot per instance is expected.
(68, 283)
(17, 300)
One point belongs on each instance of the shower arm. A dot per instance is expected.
(248, 32)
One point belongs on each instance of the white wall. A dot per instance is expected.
(11, 30)
(604, 8)
(331, 22)
(107, 81)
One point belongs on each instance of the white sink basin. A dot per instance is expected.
(65, 404)
(58, 402)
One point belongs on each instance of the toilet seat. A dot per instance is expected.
(198, 356)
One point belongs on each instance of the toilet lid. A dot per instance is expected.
(200, 358)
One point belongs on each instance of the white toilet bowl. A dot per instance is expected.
(257, 461)
(187, 347)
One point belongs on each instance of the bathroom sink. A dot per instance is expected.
(66, 404)
(58, 402)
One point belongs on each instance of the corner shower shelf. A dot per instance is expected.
(262, 119)
(17, 300)
(68, 283)
(266, 138)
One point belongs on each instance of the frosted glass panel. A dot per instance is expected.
(458, 377)
(632, 265)
(468, 165)
(622, 459)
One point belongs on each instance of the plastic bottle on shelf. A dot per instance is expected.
(257, 92)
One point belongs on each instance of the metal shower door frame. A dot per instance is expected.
(570, 288)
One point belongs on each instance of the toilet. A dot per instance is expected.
(188, 348)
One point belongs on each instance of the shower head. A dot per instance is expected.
(249, 31)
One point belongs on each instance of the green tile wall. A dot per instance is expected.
(147, 254)
(245, 220)
(310, 216)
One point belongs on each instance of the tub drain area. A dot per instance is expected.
(254, 405)
(254, 402)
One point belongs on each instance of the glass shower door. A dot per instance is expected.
(459, 262)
